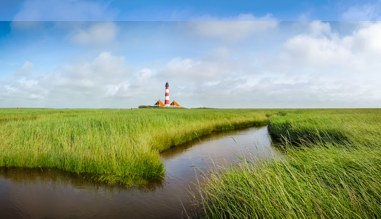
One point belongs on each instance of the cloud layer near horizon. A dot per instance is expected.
(307, 64)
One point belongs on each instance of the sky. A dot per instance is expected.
(228, 54)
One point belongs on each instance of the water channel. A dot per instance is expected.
(53, 194)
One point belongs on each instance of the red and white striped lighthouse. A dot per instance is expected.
(167, 94)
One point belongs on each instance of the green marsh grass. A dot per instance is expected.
(331, 169)
(109, 146)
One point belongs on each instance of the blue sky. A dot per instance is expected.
(120, 10)
(81, 53)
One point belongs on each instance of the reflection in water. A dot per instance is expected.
(54, 194)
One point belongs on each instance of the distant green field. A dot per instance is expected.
(331, 169)
(110, 146)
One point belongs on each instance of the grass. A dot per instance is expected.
(109, 146)
(331, 169)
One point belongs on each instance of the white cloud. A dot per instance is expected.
(319, 28)
(363, 45)
(333, 70)
(25, 69)
(79, 84)
(363, 12)
(68, 10)
(90, 78)
(143, 76)
(210, 68)
(316, 67)
(24, 84)
(233, 28)
(103, 32)
(313, 50)
(366, 40)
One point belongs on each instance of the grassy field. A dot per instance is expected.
(331, 165)
(331, 169)
(110, 146)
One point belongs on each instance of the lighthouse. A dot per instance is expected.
(167, 94)
(166, 100)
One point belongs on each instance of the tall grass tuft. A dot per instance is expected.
(335, 176)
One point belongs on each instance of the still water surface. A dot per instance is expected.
(53, 194)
